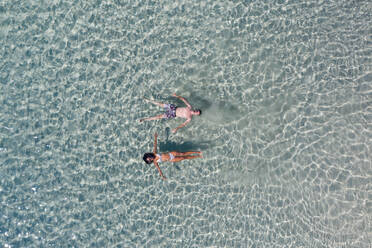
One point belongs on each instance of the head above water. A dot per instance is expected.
(196, 112)
(149, 157)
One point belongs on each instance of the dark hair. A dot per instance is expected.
(199, 111)
(148, 155)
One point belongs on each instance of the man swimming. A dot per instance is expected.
(171, 111)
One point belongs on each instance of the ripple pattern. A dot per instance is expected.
(285, 90)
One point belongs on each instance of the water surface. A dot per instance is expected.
(285, 90)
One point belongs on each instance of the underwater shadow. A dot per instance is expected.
(187, 146)
(217, 111)
(195, 101)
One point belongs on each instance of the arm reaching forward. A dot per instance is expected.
(155, 143)
(183, 99)
(160, 172)
(182, 125)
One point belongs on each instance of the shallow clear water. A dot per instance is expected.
(285, 90)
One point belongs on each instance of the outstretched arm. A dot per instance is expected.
(182, 125)
(155, 143)
(183, 99)
(160, 172)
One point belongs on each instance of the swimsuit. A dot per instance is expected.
(171, 157)
(170, 111)
(159, 160)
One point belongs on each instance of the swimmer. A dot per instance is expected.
(153, 157)
(171, 111)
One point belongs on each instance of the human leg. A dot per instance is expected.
(158, 117)
(180, 158)
(185, 153)
(160, 104)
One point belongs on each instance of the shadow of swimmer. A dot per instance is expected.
(187, 146)
(221, 112)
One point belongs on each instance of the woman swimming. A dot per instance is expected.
(153, 157)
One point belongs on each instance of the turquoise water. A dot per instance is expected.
(285, 90)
